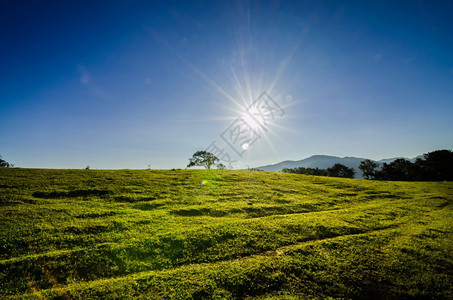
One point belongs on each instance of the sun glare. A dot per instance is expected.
(253, 118)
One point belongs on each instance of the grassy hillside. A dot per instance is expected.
(80, 234)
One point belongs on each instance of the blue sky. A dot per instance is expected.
(127, 84)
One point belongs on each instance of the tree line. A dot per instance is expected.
(434, 166)
(337, 170)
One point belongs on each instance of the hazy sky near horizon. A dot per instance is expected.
(127, 84)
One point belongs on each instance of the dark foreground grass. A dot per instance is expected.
(81, 234)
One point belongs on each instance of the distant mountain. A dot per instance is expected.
(323, 162)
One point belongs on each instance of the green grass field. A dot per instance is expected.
(81, 234)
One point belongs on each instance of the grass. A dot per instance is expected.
(81, 234)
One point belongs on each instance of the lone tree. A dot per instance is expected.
(368, 168)
(5, 164)
(339, 170)
(203, 159)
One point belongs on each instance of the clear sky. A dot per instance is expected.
(127, 84)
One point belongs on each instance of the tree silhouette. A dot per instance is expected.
(307, 171)
(5, 164)
(399, 169)
(339, 170)
(202, 159)
(438, 165)
(368, 168)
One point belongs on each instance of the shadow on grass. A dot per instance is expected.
(147, 206)
(130, 199)
(71, 194)
(199, 212)
(95, 215)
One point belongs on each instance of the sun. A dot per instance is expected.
(253, 118)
